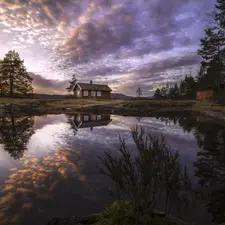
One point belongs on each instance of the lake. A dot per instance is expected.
(49, 164)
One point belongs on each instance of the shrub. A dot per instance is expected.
(122, 213)
(119, 213)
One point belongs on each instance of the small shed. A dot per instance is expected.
(205, 94)
(92, 91)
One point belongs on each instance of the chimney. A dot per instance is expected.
(90, 81)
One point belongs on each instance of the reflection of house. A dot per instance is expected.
(91, 120)
(93, 91)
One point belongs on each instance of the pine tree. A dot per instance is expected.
(14, 75)
(220, 15)
(212, 48)
(157, 94)
(72, 83)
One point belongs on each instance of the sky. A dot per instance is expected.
(123, 43)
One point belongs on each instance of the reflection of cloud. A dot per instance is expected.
(36, 179)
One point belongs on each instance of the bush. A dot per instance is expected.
(122, 213)
(119, 213)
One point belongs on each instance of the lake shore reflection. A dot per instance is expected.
(49, 163)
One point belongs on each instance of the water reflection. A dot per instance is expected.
(15, 133)
(36, 181)
(210, 163)
(51, 156)
(79, 121)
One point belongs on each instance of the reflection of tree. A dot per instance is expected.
(138, 119)
(210, 164)
(73, 126)
(15, 133)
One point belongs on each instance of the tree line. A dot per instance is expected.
(14, 78)
(212, 67)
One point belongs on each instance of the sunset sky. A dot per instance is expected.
(123, 43)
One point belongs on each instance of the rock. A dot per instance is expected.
(64, 221)
(91, 219)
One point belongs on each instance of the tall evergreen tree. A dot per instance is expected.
(72, 83)
(157, 94)
(14, 75)
(220, 14)
(212, 48)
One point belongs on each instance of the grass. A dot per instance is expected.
(145, 104)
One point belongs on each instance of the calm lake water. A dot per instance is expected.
(48, 164)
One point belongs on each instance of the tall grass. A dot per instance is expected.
(155, 172)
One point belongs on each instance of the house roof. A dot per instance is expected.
(94, 123)
(94, 87)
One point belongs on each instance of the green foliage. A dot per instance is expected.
(119, 213)
(14, 76)
(157, 220)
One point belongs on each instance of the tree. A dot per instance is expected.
(212, 48)
(14, 75)
(72, 83)
(139, 92)
(157, 94)
(219, 16)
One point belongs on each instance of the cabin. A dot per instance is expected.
(91, 91)
(205, 94)
(210, 93)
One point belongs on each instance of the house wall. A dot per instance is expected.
(104, 95)
(78, 92)
(207, 94)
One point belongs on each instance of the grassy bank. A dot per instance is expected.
(127, 107)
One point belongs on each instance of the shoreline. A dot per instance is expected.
(142, 108)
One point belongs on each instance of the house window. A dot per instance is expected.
(93, 117)
(93, 93)
(85, 93)
(99, 117)
(86, 118)
(99, 93)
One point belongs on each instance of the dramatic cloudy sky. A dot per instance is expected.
(123, 43)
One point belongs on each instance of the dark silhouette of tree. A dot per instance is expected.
(157, 94)
(72, 83)
(212, 49)
(210, 163)
(14, 76)
(72, 124)
(186, 90)
(139, 92)
(15, 133)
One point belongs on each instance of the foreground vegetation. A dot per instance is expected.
(156, 174)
